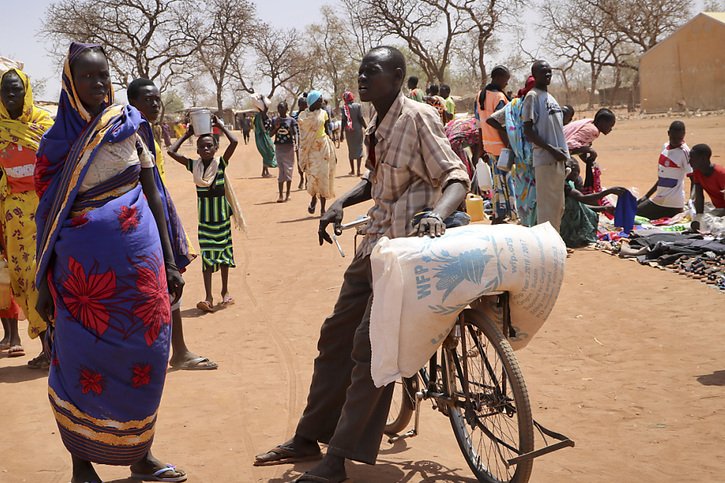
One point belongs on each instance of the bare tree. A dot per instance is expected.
(432, 28)
(643, 24)
(142, 38)
(228, 24)
(331, 55)
(595, 42)
(362, 36)
(280, 57)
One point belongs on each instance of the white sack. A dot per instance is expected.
(421, 284)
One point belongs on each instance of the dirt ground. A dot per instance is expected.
(630, 364)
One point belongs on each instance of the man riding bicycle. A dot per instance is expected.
(411, 169)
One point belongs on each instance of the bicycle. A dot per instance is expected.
(475, 380)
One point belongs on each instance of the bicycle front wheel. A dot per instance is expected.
(491, 414)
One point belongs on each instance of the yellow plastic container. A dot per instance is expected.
(474, 207)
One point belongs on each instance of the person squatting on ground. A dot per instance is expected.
(672, 168)
(144, 96)
(411, 168)
(317, 152)
(22, 125)
(107, 304)
(215, 212)
(544, 128)
(580, 220)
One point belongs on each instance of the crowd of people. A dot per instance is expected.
(109, 313)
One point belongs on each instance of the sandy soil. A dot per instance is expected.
(630, 364)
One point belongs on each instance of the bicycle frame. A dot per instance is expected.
(432, 386)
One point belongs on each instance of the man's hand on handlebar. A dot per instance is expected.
(334, 216)
(432, 225)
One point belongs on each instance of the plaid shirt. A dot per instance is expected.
(409, 164)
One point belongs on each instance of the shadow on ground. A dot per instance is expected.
(717, 378)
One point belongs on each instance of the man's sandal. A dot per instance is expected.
(281, 455)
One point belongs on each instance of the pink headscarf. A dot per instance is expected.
(348, 99)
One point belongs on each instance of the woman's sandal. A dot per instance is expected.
(16, 351)
(227, 300)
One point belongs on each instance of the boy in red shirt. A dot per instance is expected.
(707, 177)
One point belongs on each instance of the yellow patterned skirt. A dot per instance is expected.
(17, 214)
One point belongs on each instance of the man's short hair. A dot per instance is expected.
(396, 59)
(537, 65)
(603, 114)
(413, 81)
(500, 70)
(134, 88)
(701, 150)
(677, 126)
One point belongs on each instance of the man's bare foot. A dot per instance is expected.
(351, 173)
(280, 199)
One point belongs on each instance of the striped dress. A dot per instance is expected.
(215, 228)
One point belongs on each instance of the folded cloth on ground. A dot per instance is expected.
(421, 284)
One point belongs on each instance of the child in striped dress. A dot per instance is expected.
(215, 229)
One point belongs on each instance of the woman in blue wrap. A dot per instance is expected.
(106, 266)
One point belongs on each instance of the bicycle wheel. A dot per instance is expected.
(402, 406)
(493, 424)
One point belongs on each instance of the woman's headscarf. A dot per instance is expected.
(62, 161)
(28, 129)
(312, 97)
(530, 84)
(348, 99)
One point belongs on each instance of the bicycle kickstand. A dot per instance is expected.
(413, 432)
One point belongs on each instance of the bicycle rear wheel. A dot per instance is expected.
(402, 406)
(493, 424)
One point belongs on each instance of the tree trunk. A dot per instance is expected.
(592, 87)
(219, 101)
(632, 91)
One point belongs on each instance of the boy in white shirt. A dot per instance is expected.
(669, 189)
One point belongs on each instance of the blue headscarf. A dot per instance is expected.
(313, 96)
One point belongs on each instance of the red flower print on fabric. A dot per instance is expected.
(42, 176)
(154, 310)
(128, 218)
(85, 295)
(91, 381)
(141, 375)
(79, 220)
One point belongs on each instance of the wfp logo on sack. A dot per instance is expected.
(450, 271)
